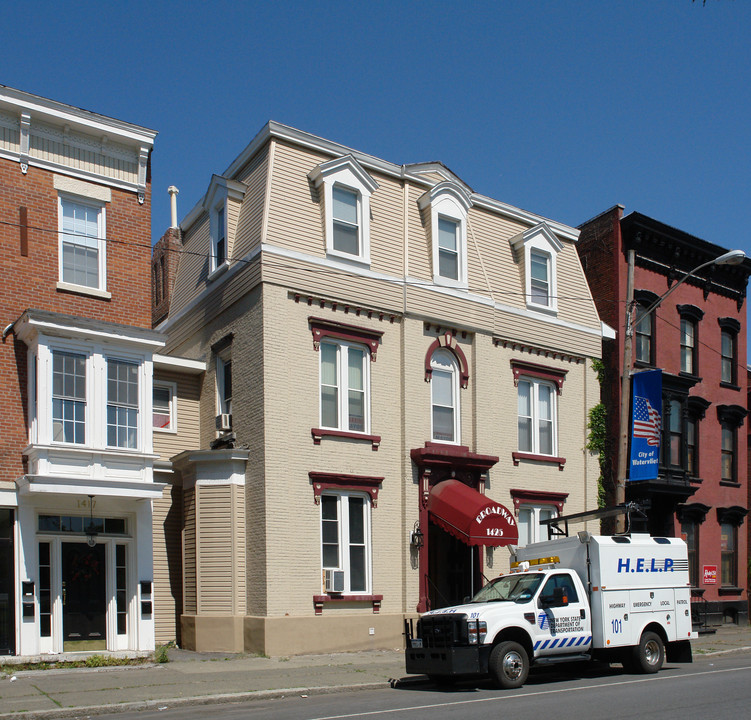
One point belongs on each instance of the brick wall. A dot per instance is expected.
(29, 281)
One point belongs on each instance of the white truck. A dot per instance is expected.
(613, 598)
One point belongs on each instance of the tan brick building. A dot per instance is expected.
(370, 332)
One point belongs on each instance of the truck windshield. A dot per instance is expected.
(515, 588)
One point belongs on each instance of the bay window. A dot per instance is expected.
(68, 397)
(122, 404)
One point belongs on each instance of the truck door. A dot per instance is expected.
(563, 620)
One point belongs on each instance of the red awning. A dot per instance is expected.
(470, 516)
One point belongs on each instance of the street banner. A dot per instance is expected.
(646, 424)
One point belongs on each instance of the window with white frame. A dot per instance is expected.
(539, 280)
(345, 538)
(529, 522)
(68, 397)
(164, 412)
(122, 404)
(344, 385)
(536, 417)
(224, 382)
(538, 249)
(345, 189)
(444, 393)
(82, 242)
(448, 204)
(219, 237)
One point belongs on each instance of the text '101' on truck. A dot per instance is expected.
(610, 598)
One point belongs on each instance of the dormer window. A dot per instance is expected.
(448, 204)
(346, 220)
(219, 237)
(345, 189)
(538, 248)
(222, 201)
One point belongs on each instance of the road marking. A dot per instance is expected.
(503, 698)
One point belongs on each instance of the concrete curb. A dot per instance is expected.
(136, 706)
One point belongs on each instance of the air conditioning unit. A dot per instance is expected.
(224, 421)
(333, 581)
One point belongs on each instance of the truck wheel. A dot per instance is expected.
(649, 654)
(509, 665)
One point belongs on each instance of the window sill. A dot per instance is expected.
(695, 480)
(730, 483)
(217, 272)
(729, 590)
(168, 431)
(730, 386)
(546, 309)
(319, 433)
(339, 255)
(518, 456)
(690, 376)
(320, 600)
(83, 290)
(445, 282)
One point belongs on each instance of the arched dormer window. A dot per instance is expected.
(448, 204)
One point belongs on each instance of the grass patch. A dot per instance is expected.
(93, 661)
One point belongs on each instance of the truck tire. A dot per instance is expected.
(649, 654)
(509, 665)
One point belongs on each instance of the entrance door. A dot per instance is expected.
(453, 571)
(84, 597)
(7, 584)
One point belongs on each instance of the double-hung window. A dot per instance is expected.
(346, 224)
(729, 554)
(688, 346)
(448, 248)
(68, 397)
(539, 281)
(727, 453)
(122, 404)
(163, 406)
(727, 356)
(220, 237)
(536, 417)
(529, 519)
(643, 334)
(345, 538)
(82, 235)
(344, 387)
(444, 388)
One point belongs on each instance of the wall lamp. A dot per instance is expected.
(416, 538)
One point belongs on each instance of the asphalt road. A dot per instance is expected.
(716, 687)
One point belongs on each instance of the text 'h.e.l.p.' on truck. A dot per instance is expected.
(614, 598)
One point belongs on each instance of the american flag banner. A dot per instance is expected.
(647, 421)
(646, 425)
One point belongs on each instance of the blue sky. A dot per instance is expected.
(561, 108)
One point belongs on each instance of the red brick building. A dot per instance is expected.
(76, 363)
(697, 336)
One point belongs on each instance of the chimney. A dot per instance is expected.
(173, 191)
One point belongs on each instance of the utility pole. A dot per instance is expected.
(620, 479)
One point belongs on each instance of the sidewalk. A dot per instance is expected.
(206, 678)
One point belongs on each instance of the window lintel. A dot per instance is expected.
(322, 328)
(691, 312)
(733, 515)
(541, 372)
(323, 481)
(728, 323)
(448, 341)
(537, 497)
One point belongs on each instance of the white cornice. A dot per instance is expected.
(17, 101)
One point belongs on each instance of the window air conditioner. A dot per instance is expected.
(224, 421)
(333, 581)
